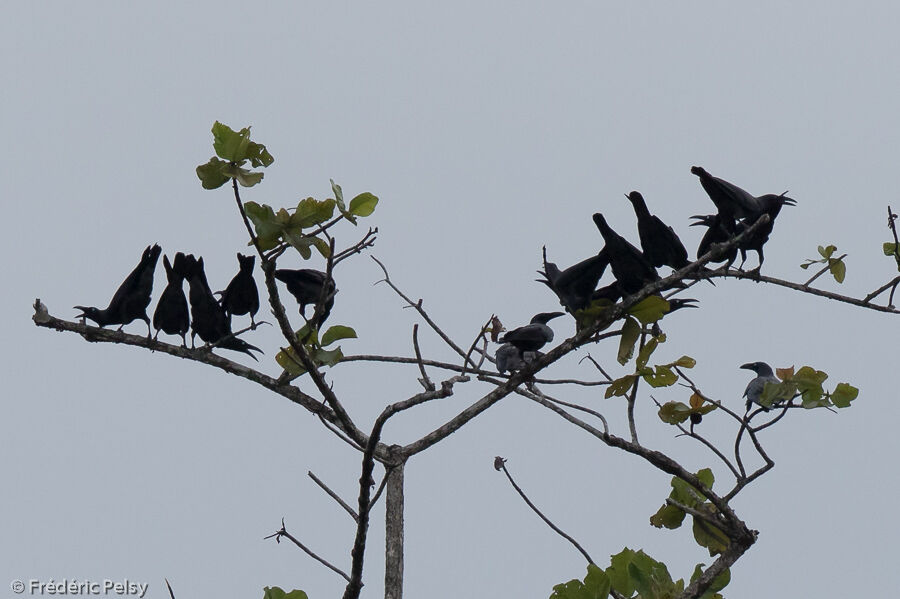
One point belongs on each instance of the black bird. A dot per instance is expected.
(306, 285)
(575, 285)
(131, 299)
(209, 320)
(754, 390)
(631, 269)
(241, 296)
(534, 336)
(661, 245)
(720, 229)
(171, 315)
(509, 358)
(734, 203)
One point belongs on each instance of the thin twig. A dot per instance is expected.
(334, 496)
(284, 533)
(825, 269)
(426, 382)
(500, 464)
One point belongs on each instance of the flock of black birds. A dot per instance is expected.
(633, 268)
(208, 317)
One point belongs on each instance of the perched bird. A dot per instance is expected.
(575, 285)
(660, 244)
(754, 390)
(628, 264)
(509, 358)
(241, 296)
(534, 336)
(720, 229)
(209, 320)
(306, 285)
(734, 203)
(171, 315)
(131, 299)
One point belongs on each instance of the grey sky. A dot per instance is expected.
(487, 130)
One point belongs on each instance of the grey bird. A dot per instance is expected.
(754, 390)
(660, 244)
(509, 358)
(533, 336)
(575, 285)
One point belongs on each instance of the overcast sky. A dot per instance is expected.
(487, 130)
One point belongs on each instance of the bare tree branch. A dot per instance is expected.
(284, 533)
(334, 496)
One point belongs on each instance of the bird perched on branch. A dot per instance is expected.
(575, 285)
(719, 229)
(660, 244)
(241, 296)
(209, 320)
(509, 358)
(754, 390)
(628, 264)
(521, 345)
(171, 315)
(533, 336)
(131, 299)
(734, 203)
(306, 285)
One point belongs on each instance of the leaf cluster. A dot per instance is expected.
(836, 266)
(671, 516)
(233, 150)
(308, 337)
(807, 384)
(633, 574)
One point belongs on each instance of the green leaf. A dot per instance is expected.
(650, 309)
(267, 225)
(287, 359)
(889, 249)
(826, 252)
(258, 155)
(301, 243)
(718, 583)
(631, 330)
(806, 265)
(596, 586)
(363, 204)
(663, 376)
(328, 357)
(838, 269)
(668, 516)
(337, 332)
(277, 593)
(710, 536)
(211, 174)
(247, 178)
(706, 477)
(312, 212)
(843, 394)
(618, 572)
(229, 144)
(674, 412)
(646, 351)
(684, 362)
(620, 386)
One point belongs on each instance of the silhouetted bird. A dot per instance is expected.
(575, 285)
(534, 336)
(509, 358)
(131, 299)
(631, 269)
(720, 229)
(171, 315)
(208, 318)
(660, 244)
(735, 203)
(306, 285)
(241, 296)
(754, 390)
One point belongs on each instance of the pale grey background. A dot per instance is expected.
(487, 129)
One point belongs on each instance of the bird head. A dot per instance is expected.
(699, 171)
(87, 312)
(760, 368)
(703, 219)
(545, 317)
(635, 197)
(246, 262)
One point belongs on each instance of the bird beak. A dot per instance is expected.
(748, 366)
(83, 310)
